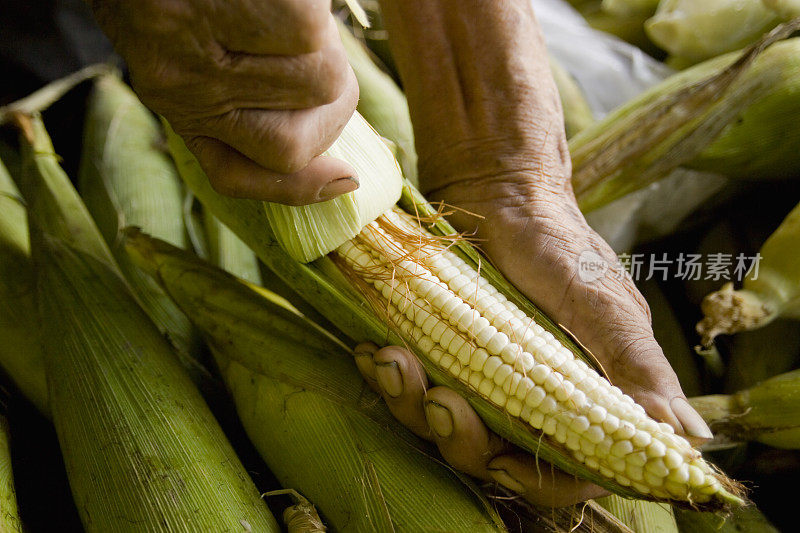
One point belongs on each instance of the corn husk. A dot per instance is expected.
(761, 354)
(785, 9)
(645, 139)
(747, 519)
(702, 30)
(771, 288)
(768, 413)
(323, 285)
(318, 229)
(125, 178)
(141, 449)
(309, 413)
(629, 7)
(9, 514)
(228, 252)
(640, 515)
(761, 143)
(382, 103)
(53, 203)
(20, 353)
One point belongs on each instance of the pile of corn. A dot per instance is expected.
(193, 352)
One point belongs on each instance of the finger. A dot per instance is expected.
(402, 383)
(463, 439)
(284, 141)
(232, 174)
(642, 371)
(539, 482)
(362, 354)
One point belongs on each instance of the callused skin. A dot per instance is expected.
(259, 89)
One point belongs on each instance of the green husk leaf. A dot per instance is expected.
(20, 331)
(768, 412)
(228, 252)
(669, 124)
(640, 515)
(127, 178)
(745, 519)
(43, 98)
(577, 113)
(141, 448)
(9, 514)
(702, 30)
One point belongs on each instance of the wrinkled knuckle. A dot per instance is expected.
(290, 150)
(311, 27)
(331, 76)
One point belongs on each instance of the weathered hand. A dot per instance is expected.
(491, 141)
(258, 90)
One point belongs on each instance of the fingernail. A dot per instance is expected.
(338, 187)
(506, 480)
(693, 424)
(439, 419)
(389, 378)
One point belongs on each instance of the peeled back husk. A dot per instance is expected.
(318, 229)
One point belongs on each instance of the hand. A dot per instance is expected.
(258, 90)
(491, 141)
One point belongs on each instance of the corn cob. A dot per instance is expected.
(770, 290)
(768, 413)
(126, 179)
(20, 353)
(702, 30)
(9, 515)
(520, 373)
(307, 410)
(646, 138)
